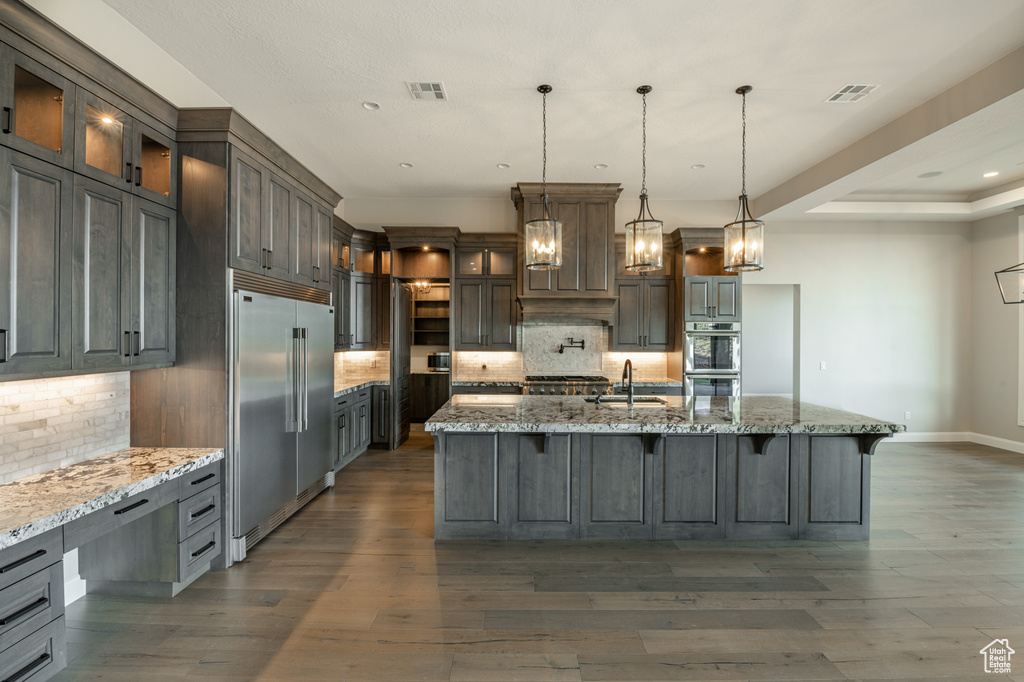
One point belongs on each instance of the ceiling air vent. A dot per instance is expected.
(851, 93)
(432, 91)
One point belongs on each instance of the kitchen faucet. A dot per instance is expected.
(627, 375)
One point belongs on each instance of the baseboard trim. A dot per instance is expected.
(74, 589)
(933, 437)
(959, 437)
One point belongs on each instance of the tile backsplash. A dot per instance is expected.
(487, 366)
(646, 366)
(359, 366)
(49, 423)
(541, 342)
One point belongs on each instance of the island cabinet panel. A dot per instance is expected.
(616, 487)
(834, 499)
(690, 489)
(763, 483)
(38, 657)
(546, 494)
(468, 469)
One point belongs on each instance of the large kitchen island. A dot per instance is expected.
(559, 467)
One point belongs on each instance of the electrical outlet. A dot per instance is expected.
(821, 365)
(906, 415)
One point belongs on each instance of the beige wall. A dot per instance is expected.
(994, 331)
(884, 305)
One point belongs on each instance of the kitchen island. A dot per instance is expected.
(559, 467)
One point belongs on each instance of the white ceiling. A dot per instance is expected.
(300, 69)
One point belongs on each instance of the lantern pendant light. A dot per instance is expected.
(644, 235)
(543, 236)
(744, 237)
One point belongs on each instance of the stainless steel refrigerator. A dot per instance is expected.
(284, 390)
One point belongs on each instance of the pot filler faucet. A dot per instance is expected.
(627, 375)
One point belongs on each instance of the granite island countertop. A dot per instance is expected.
(33, 505)
(679, 415)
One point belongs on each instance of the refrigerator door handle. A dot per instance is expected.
(305, 379)
(296, 423)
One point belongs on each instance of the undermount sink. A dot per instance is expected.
(623, 400)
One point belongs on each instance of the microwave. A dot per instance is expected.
(439, 362)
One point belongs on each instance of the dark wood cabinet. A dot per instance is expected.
(342, 296)
(383, 311)
(322, 251)
(645, 314)
(429, 392)
(275, 225)
(363, 335)
(35, 270)
(113, 147)
(486, 315)
(715, 298)
(353, 425)
(381, 414)
(38, 109)
(124, 278)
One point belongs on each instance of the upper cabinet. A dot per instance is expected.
(587, 214)
(38, 108)
(113, 147)
(713, 299)
(485, 261)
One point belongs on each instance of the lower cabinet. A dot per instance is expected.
(354, 425)
(429, 393)
(381, 414)
(515, 389)
(651, 486)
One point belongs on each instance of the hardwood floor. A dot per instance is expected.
(354, 588)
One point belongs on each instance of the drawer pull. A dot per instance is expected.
(42, 601)
(24, 672)
(132, 506)
(22, 561)
(207, 477)
(203, 511)
(205, 548)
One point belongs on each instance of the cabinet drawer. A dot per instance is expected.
(199, 550)
(30, 604)
(198, 511)
(102, 521)
(36, 658)
(199, 480)
(34, 554)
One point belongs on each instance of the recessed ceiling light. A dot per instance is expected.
(930, 174)
(405, 165)
(371, 106)
(600, 166)
(503, 166)
(990, 174)
(697, 166)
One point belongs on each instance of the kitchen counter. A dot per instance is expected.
(651, 383)
(35, 504)
(691, 468)
(680, 415)
(346, 388)
(488, 382)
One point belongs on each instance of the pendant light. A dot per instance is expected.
(543, 237)
(744, 237)
(644, 235)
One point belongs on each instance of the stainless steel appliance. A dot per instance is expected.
(283, 363)
(712, 359)
(566, 385)
(711, 384)
(439, 362)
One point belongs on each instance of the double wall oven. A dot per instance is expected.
(712, 361)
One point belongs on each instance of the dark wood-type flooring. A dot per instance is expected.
(354, 588)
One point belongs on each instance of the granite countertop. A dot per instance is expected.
(487, 382)
(352, 387)
(35, 504)
(680, 414)
(656, 381)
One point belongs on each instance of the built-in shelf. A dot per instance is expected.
(431, 314)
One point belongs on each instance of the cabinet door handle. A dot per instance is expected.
(27, 670)
(22, 561)
(270, 259)
(4, 332)
(205, 548)
(42, 601)
(131, 506)
(128, 172)
(138, 344)
(202, 512)
(138, 176)
(127, 344)
(8, 118)
(207, 477)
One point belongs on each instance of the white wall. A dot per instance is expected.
(887, 306)
(994, 331)
(767, 339)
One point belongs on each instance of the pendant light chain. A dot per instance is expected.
(544, 171)
(643, 181)
(744, 143)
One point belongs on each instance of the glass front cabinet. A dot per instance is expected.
(38, 108)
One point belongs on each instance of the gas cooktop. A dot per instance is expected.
(564, 378)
